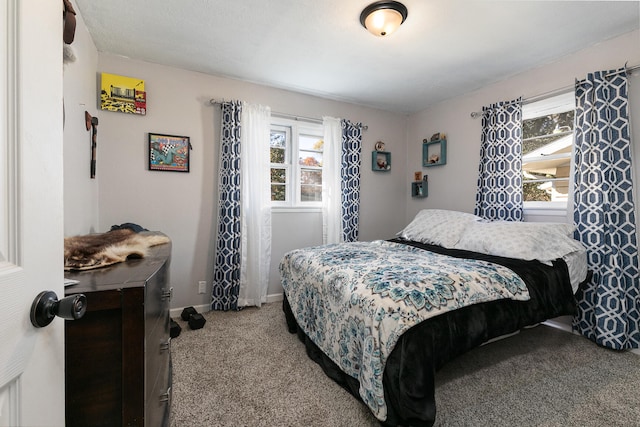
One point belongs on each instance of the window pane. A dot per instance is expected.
(547, 145)
(545, 125)
(554, 168)
(278, 139)
(310, 193)
(277, 155)
(310, 158)
(278, 146)
(532, 193)
(310, 185)
(278, 193)
(546, 191)
(311, 142)
(546, 150)
(278, 175)
(551, 180)
(311, 176)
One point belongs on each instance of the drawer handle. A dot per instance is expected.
(166, 397)
(167, 295)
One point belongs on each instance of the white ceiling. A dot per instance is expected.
(445, 48)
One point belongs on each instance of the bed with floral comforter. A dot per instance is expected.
(382, 317)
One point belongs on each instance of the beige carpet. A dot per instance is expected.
(244, 369)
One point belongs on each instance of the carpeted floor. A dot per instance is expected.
(244, 369)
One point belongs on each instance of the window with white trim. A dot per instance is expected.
(296, 163)
(547, 141)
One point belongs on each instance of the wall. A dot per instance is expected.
(453, 186)
(183, 205)
(80, 191)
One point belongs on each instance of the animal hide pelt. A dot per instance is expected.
(103, 249)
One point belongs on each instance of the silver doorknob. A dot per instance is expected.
(46, 307)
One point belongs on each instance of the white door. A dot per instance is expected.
(31, 210)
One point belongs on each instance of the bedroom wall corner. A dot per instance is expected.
(453, 185)
(80, 92)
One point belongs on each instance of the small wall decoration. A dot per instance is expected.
(438, 135)
(380, 161)
(123, 94)
(434, 150)
(169, 152)
(417, 176)
(91, 123)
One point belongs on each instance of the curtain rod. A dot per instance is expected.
(540, 97)
(288, 116)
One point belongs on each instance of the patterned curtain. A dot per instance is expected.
(226, 269)
(350, 174)
(609, 305)
(499, 195)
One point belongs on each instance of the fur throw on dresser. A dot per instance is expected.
(103, 249)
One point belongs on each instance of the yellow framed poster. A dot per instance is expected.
(123, 94)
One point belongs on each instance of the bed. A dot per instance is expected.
(383, 317)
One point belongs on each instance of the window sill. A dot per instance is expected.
(296, 209)
(545, 208)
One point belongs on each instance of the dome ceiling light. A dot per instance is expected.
(383, 17)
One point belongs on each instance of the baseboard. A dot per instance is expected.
(176, 312)
(275, 298)
(562, 323)
(203, 308)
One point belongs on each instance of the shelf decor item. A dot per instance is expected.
(380, 161)
(420, 189)
(169, 152)
(434, 152)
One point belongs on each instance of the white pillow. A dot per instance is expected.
(523, 240)
(438, 227)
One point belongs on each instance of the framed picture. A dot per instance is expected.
(169, 152)
(123, 94)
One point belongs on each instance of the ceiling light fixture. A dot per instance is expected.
(383, 17)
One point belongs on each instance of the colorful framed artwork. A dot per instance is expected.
(169, 152)
(123, 94)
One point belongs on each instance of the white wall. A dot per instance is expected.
(183, 205)
(453, 185)
(80, 191)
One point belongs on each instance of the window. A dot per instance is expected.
(547, 140)
(296, 163)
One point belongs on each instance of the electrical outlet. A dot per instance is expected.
(202, 287)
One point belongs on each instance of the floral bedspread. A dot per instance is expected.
(354, 300)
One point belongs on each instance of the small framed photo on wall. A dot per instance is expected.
(169, 152)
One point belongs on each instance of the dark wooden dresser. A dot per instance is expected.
(118, 356)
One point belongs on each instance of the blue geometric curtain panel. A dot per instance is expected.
(604, 211)
(350, 175)
(499, 195)
(226, 268)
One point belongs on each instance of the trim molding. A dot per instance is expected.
(203, 308)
